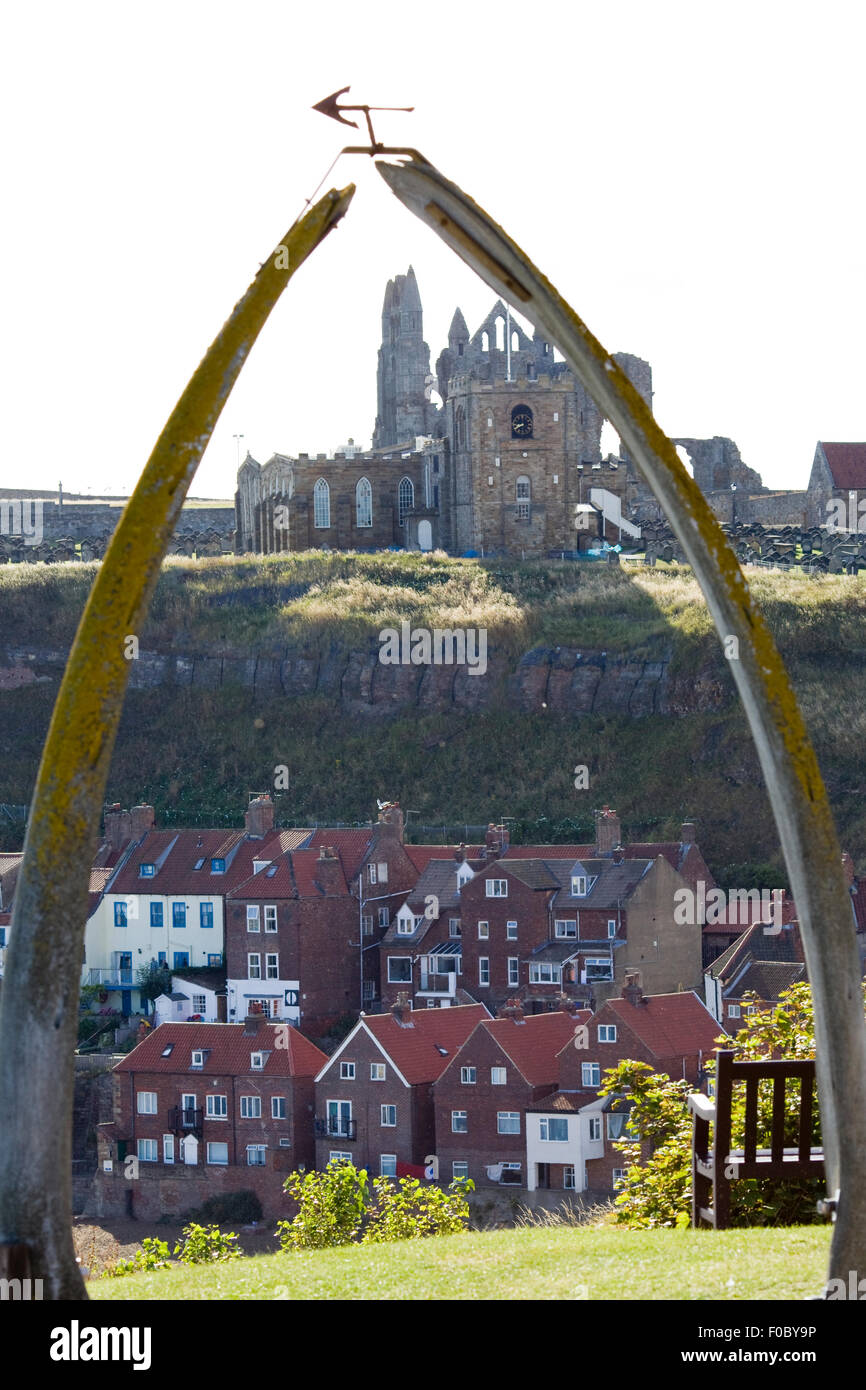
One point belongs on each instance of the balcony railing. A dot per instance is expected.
(331, 1127)
(181, 1120)
(118, 979)
(434, 983)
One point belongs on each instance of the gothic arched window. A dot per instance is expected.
(364, 502)
(321, 505)
(405, 499)
(523, 498)
(460, 427)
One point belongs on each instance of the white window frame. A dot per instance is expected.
(405, 926)
(382, 867)
(363, 504)
(484, 970)
(253, 920)
(510, 931)
(618, 1176)
(391, 1170)
(607, 1032)
(483, 931)
(507, 1117)
(513, 970)
(384, 917)
(212, 1112)
(168, 1148)
(147, 1150)
(733, 1011)
(279, 1108)
(272, 965)
(254, 965)
(594, 1128)
(454, 930)
(544, 1129)
(598, 961)
(321, 505)
(468, 1076)
(496, 888)
(578, 885)
(385, 1113)
(538, 969)
(461, 1165)
(568, 1169)
(393, 980)
(251, 1107)
(456, 1128)
(377, 1071)
(590, 1074)
(197, 1057)
(499, 1076)
(257, 1061)
(347, 1071)
(217, 1162)
(257, 1149)
(611, 928)
(565, 928)
(271, 917)
(372, 872)
(145, 1102)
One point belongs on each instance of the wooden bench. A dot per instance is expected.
(716, 1166)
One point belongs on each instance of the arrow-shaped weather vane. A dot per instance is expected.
(330, 107)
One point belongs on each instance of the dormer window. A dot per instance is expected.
(197, 1059)
(217, 866)
(199, 864)
(257, 1061)
(146, 870)
(578, 885)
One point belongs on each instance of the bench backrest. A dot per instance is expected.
(729, 1070)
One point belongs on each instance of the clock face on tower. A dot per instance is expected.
(521, 423)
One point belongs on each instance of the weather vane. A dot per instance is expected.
(330, 107)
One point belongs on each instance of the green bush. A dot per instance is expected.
(152, 1254)
(206, 1245)
(411, 1210)
(241, 1207)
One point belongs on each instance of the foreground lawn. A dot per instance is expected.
(566, 1263)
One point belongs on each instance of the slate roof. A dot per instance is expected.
(767, 979)
(847, 463)
(439, 877)
(559, 951)
(202, 977)
(414, 1047)
(614, 883)
(535, 873)
(670, 1025)
(227, 1047)
(534, 1042)
(787, 946)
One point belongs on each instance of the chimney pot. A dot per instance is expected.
(608, 833)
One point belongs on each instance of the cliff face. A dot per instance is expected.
(561, 680)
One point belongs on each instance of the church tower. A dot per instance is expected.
(403, 377)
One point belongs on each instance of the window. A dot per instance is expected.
(254, 967)
(483, 931)
(750, 1009)
(590, 1073)
(388, 1116)
(148, 1150)
(383, 872)
(405, 499)
(566, 928)
(399, 970)
(497, 1076)
(454, 926)
(405, 926)
(156, 917)
(188, 1106)
(511, 931)
(553, 1129)
(199, 1003)
(513, 970)
(618, 1177)
(218, 1155)
(544, 973)
(363, 503)
(733, 1011)
(496, 888)
(568, 1178)
(611, 927)
(285, 1143)
(484, 970)
(272, 966)
(336, 1157)
(387, 1165)
(618, 1128)
(508, 1122)
(251, 1107)
(578, 885)
(181, 959)
(599, 968)
(120, 914)
(522, 494)
(367, 926)
(198, 864)
(278, 1107)
(216, 1107)
(467, 1076)
(146, 870)
(256, 1155)
(257, 1061)
(215, 960)
(459, 1122)
(178, 916)
(607, 1032)
(206, 914)
(217, 866)
(270, 918)
(321, 505)
(347, 1071)
(253, 917)
(459, 1169)
(384, 917)
(168, 1148)
(146, 1102)
(595, 1127)
(197, 1059)
(371, 870)
(377, 1071)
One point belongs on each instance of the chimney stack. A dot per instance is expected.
(460, 853)
(390, 822)
(259, 816)
(607, 830)
(401, 1010)
(329, 872)
(496, 841)
(687, 833)
(514, 1010)
(117, 826)
(253, 1024)
(631, 990)
(141, 820)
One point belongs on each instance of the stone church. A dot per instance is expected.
(496, 465)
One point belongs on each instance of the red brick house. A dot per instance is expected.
(483, 1093)
(421, 952)
(207, 1108)
(570, 1133)
(753, 972)
(374, 1100)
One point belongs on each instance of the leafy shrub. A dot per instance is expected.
(151, 1254)
(206, 1245)
(409, 1210)
(331, 1207)
(241, 1207)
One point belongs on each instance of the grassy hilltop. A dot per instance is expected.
(196, 752)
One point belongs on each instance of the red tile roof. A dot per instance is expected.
(670, 1025)
(534, 1042)
(847, 464)
(178, 873)
(228, 1049)
(422, 854)
(415, 1050)
(350, 845)
(297, 876)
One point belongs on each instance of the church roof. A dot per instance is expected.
(847, 464)
(458, 331)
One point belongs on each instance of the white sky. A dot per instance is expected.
(689, 176)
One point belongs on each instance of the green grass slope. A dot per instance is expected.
(556, 1263)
